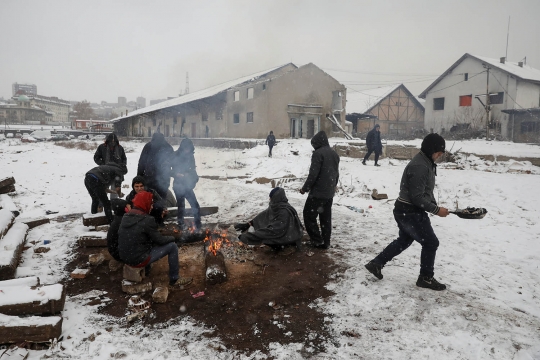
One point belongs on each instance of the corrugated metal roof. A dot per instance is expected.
(197, 95)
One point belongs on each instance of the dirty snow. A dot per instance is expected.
(491, 309)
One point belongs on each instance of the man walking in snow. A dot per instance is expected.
(321, 185)
(410, 212)
(374, 144)
(270, 141)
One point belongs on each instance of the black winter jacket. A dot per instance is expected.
(271, 140)
(108, 173)
(324, 170)
(105, 154)
(154, 161)
(137, 235)
(373, 140)
(417, 184)
(183, 162)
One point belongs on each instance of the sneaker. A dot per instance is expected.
(429, 283)
(377, 165)
(375, 269)
(363, 162)
(182, 281)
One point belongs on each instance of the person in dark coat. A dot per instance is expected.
(154, 164)
(111, 151)
(374, 144)
(119, 209)
(184, 173)
(140, 243)
(277, 226)
(321, 185)
(97, 181)
(415, 200)
(270, 141)
(159, 210)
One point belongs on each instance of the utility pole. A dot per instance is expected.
(487, 104)
(186, 91)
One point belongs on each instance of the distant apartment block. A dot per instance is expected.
(141, 102)
(25, 89)
(122, 101)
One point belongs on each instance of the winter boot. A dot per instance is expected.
(377, 165)
(375, 269)
(429, 282)
(364, 162)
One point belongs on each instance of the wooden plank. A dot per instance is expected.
(12, 246)
(29, 300)
(7, 181)
(14, 329)
(98, 220)
(36, 222)
(7, 189)
(6, 221)
(92, 241)
(25, 281)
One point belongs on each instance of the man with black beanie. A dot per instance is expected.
(410, 212)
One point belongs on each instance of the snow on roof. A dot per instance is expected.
(361, 101)
(526, 72)
(197, 95)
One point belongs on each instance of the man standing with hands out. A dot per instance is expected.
(415, 200)
(321, 185)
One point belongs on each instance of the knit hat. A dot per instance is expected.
(377, 126)
(138, 179)
(274, 191)
(143, 201)
(432, 143)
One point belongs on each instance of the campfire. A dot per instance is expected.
(216, 271)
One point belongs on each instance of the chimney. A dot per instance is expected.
(520, 64)
(126, 112)
(503, 60)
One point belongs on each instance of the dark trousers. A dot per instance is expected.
(98, 194)
(270, 150)
(377, 153)
(413, 226)
(321, 208)
(170, 250)
(181, 198)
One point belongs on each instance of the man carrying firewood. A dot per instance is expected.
(277, 226)
(410, 212)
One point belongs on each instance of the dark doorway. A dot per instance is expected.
(310, 128)
(193, 130)
(293, 128)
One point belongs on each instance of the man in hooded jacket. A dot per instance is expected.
(154, 164)
(374, 144)
(140, 243)
(111, 151)
(277, 226)
(184, 173)
(97, 180)
(415, 200)
(321, 185)
(270, 141)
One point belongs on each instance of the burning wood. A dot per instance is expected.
(216, 271)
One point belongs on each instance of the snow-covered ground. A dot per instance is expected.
(491, 309)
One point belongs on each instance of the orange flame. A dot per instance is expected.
(216, 240)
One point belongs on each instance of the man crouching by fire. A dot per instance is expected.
(276, 226)
(140, 244)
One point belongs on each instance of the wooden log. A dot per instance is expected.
(36, 222)
(92, 241)
(7, 181)
(216, 271)
(14, 329)
(12, 246)
(25, 281)
(6, 220)
(7, 189)
(27, 300)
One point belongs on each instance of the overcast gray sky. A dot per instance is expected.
(99, 50)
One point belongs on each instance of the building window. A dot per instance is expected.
(250, 93)
(219, 114)
(465, 100)
(249, 117)
(237, 96)
(153, 122)
(264, 86)
(236, 119)
(466, 77)
(496, 99)
(204, 117)
(529, 126)
(438, 104)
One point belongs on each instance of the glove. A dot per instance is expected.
(241, 226)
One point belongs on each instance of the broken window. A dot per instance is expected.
(236, 119)
(249, 117)
(219, 114)
(264, 86)
(250, 93)
(204, 117)
(496, 99)
(237, 96)
(438, 103)
(466, 77)
(465, 100)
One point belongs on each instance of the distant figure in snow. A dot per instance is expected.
(184, 173)
(154, 164)
(374, 144)
(410, 212)
(270, 141)
(321, 185)
(277, 226)
(111, 151)
(97, 180)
